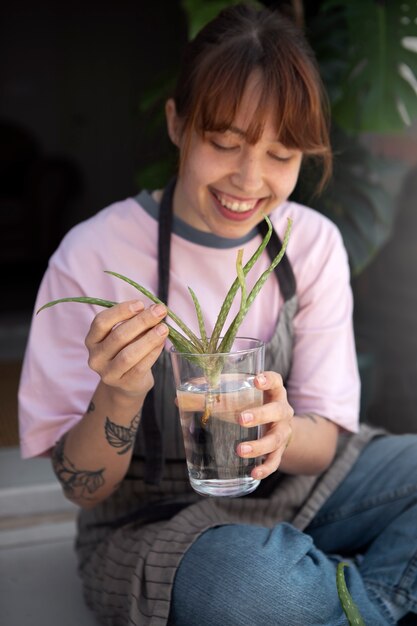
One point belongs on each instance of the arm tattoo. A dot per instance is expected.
(76, 483)
(91, 407)
(121, 436)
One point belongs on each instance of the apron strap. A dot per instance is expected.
(154, 460)
(283, 270)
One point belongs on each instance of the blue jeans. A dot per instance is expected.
(243, 575)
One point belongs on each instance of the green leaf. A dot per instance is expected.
(349, 607)
(229, 337)
(360, 199)
(82, 299)
(227, 303)
(198, 347)
(200, 319)
(241, 279)
(180, 342)
(372, 85)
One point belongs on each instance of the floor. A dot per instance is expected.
(38, 570)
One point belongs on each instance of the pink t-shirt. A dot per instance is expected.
(57, 384)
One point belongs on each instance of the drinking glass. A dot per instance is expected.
(212, 390)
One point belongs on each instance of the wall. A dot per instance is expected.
(71, 79)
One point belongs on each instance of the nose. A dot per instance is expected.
(248, 175)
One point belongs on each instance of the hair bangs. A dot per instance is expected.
(222, 89)
(218, 65)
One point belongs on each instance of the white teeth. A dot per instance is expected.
(238, 207)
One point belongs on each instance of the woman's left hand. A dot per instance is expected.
(276, 416)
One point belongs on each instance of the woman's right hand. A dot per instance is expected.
(124, 342)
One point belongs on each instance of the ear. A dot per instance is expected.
(173, 122)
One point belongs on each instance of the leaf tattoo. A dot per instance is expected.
(121, 436)
(77, 483)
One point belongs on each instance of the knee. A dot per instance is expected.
(249, 576)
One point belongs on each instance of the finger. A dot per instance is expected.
(140, 354)
(127, 332)
(273, 412)
(146, 363)
(273, 440)
(120, 335)
(107, 319)
(272, 384)
(269, 465)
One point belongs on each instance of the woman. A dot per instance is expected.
(247, 110)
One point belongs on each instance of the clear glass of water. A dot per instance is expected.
(212, 391)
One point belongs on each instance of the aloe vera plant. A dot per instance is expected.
(349, 607)
(187, 341)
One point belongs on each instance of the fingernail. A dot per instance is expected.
(161, 330)
(261, 379)
(245, 448)
(158, 310)
(257, 473)
(246, 417)
(136, 306)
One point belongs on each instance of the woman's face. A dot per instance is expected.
(226, 185)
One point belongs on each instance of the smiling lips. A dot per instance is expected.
(236, 209)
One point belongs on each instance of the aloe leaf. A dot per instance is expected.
(194, 339)
(225, 308)
(200, 319)
(241, 278)
(261, 280)
(180, 342)
(349, 607)
(229, 337)
(85, 300)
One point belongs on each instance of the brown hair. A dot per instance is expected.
(218, 62)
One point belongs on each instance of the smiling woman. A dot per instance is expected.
(97, 391)
(236, 114)
(231, 178)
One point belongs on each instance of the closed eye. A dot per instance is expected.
(220, 147)
(281, 159)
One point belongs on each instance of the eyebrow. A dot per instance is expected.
(237, 131)
(242, 133)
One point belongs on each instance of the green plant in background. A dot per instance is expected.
(366, 50)
(377, 85)
(349, 607)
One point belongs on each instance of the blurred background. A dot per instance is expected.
(82, 88)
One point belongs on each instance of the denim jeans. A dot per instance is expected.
(243, 575)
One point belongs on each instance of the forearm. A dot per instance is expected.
(93, 457)
(312, 445)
